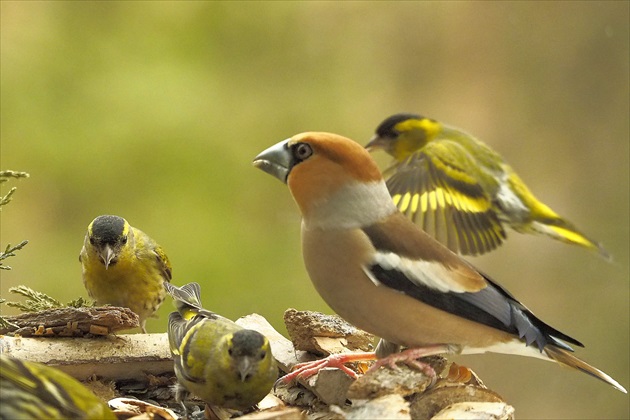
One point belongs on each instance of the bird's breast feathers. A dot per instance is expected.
(351, 205)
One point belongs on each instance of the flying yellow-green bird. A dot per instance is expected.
(30, 390)
(461, 191)
(220, 362)
(123, 266)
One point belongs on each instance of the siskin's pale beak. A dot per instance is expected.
(107, 255)
(375, 143)
(244, 367)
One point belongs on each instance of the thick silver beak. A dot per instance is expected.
(275, 160)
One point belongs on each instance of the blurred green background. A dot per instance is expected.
(154, 111)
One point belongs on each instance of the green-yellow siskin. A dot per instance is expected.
(220, 362)
(30, 390)
(460, 190)
(123, 266)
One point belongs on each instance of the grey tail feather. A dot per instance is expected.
(176, 330)
(189, 295)
(564, 357)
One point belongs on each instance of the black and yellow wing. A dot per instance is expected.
(440, 188)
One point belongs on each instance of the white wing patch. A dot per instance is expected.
(422, 273)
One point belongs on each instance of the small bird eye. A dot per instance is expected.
(302, 151)
(262, 355)
(92, 240)
(230, 351)
(124, 240)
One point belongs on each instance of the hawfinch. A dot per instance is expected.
(382, 273)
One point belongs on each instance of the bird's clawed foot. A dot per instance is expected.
(307, 369)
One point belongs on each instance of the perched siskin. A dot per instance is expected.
(460, 190)
(123, 266)
(30, 390)
(215, 359)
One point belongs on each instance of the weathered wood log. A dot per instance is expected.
(114, 357)
(72, 322)
(134, 362)
(322, 334)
